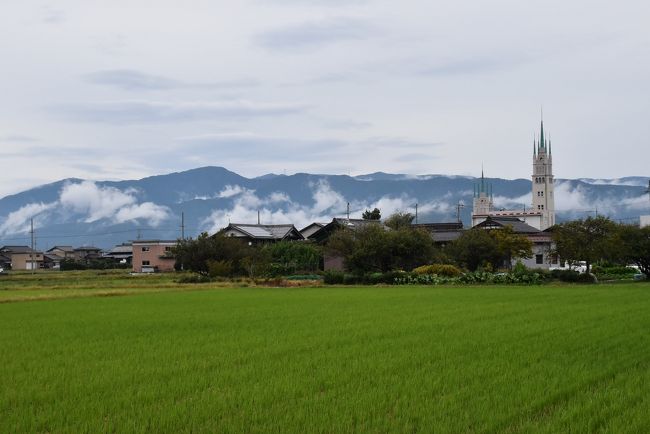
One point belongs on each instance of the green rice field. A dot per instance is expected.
(169, 358)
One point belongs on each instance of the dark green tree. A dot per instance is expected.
(375, 214)
(635, 246)
(588, 240)
(372, 248)
(399, 220)
(195, 254)
(489, 248)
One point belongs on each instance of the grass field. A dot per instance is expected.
(360, 359)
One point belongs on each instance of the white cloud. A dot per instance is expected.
(230, 191)
(95, 203)
(278, 208)
(19, 220)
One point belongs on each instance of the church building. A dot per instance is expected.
(541, 214)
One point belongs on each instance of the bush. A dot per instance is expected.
(332, 277)
(587, 278)
(444, 270)
(194, 278)
(569, 276)
(223, 268)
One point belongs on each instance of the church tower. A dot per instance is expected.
(543, 200)
(482, 198)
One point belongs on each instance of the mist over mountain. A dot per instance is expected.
(79, 212)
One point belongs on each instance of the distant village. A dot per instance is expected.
(148, 256)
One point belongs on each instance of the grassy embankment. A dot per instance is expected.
(393, 359)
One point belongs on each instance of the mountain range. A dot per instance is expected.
(104, 213)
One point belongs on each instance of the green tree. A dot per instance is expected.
(399, 220)
(195, 254)
(372, 248)
(375, 214)
(635, 246)
(588, 240)
(291, 257)
(489, 248)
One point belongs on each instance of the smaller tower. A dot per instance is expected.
(482, 204)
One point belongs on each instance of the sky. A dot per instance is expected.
(128, 89)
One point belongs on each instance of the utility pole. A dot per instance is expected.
(258, 216)
(31, 253)
(416, 213)
(182, 225)
(348, 212)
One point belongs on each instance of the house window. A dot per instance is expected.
(146, 263)
(145, 249)
(539, 259)
(168, 249)
(541, 193)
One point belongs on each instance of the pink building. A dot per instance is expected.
(153, 255)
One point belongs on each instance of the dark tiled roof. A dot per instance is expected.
(517, 225)
(267, 232)
(62, 248)
(17, 249)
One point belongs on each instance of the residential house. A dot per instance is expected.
(153, 255)
(23, 257)
(260, 234)
(309, 230)
(542, 240)
(442, 233)
(64, 252)
(87, 253)
(122, 253)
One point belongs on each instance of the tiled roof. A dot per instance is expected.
(272, 232)
(17, 249)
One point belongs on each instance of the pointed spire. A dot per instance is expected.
(534, 147)
(542, 142)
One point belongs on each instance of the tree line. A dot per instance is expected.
(398, 245)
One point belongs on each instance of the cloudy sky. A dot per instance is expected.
(127, 89)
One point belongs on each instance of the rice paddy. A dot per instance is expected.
(354, 359)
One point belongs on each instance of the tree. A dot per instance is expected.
(489, 248)
(375, 214)
(587, 240)
(195, 254)
(399, 220)
(372, 248)
(635, 246)
(290, 257)
(511, 246)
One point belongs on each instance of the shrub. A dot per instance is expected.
(194, 278)
(332, 277)
(587, 278)
(570, 276)
(221, 268)
(444, 270)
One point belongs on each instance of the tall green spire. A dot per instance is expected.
(542, 143)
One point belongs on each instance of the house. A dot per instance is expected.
(23, 257)
(64, 252)
(307, 231)
(52, 261)
(321, 235)
(122, 253)
(542, 240)
(87, 253)
(260, 234)
(153, 255)
(5, 261)
(442, 233)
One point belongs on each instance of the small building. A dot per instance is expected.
(121, 254)
(52, 261)
(442, 233)
(260, 234)
(153, 255)
(542, 240)
(64, 252)
(644, 221)
(321, 235)
(309, 230)
(87, 253)
(23, 257)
